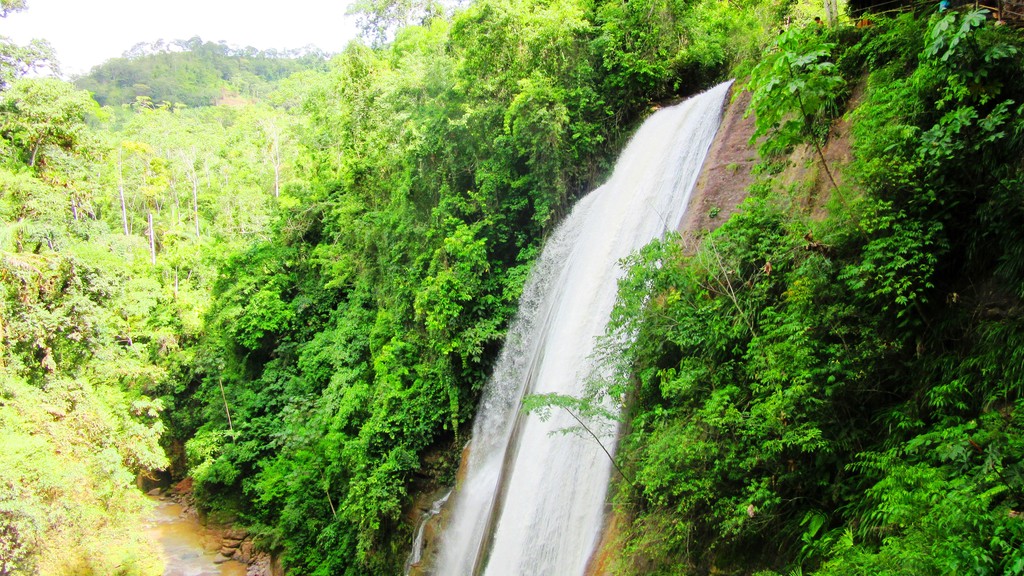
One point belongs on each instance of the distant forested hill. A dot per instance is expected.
(194, 72)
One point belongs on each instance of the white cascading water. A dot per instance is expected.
(532, 502)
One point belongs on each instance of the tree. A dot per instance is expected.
(7, 7)
(380, 19)
(796, 94)
(17, 61)
(42, 112)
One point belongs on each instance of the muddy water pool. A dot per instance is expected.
(188, 548)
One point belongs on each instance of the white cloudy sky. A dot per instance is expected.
(87, 32)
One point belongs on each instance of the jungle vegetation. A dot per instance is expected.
(295, 299)
(840, 393)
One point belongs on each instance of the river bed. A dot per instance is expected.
(187, 547)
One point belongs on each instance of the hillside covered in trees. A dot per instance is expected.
(194, 73)
(296, 300)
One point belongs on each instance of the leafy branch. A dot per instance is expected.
(579, 409)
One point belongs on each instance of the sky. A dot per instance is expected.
(86, 33)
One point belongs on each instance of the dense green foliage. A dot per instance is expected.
(296, 299)
(109, 237)
(75, 423)
(842, 395)
(310, 289)
(194, 73)
(351, 347)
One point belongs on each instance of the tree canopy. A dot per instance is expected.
(194, 73)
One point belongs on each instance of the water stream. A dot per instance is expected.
(532, 502)
(187, 547)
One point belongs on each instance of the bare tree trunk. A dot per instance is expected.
(277, 175)
(35, 150)
(152, 239)
(193, 178)
(831, 12)
(177, 202)
(274, 134)
(226, 411)
(328, 492)
(195, 201)
(120, 190)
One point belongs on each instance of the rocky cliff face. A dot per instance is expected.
(726, 175)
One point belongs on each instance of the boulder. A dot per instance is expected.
(244, 553)
(259, 565)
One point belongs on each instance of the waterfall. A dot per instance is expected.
(416, 555)
(532, 502)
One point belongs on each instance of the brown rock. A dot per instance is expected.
(260, 565)
(726, 173)
(231, 542)
(220, 559)
(244, 553)
(227, 552)
(183, 487)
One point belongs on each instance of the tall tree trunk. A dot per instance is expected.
(226, 409)
(831, 12)
(120, 190)
(152, 239)
(193, 178)
(35, 150)
(177, 202)
(277, 166)
(277, 176)
(195, 201)
(274, 135)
